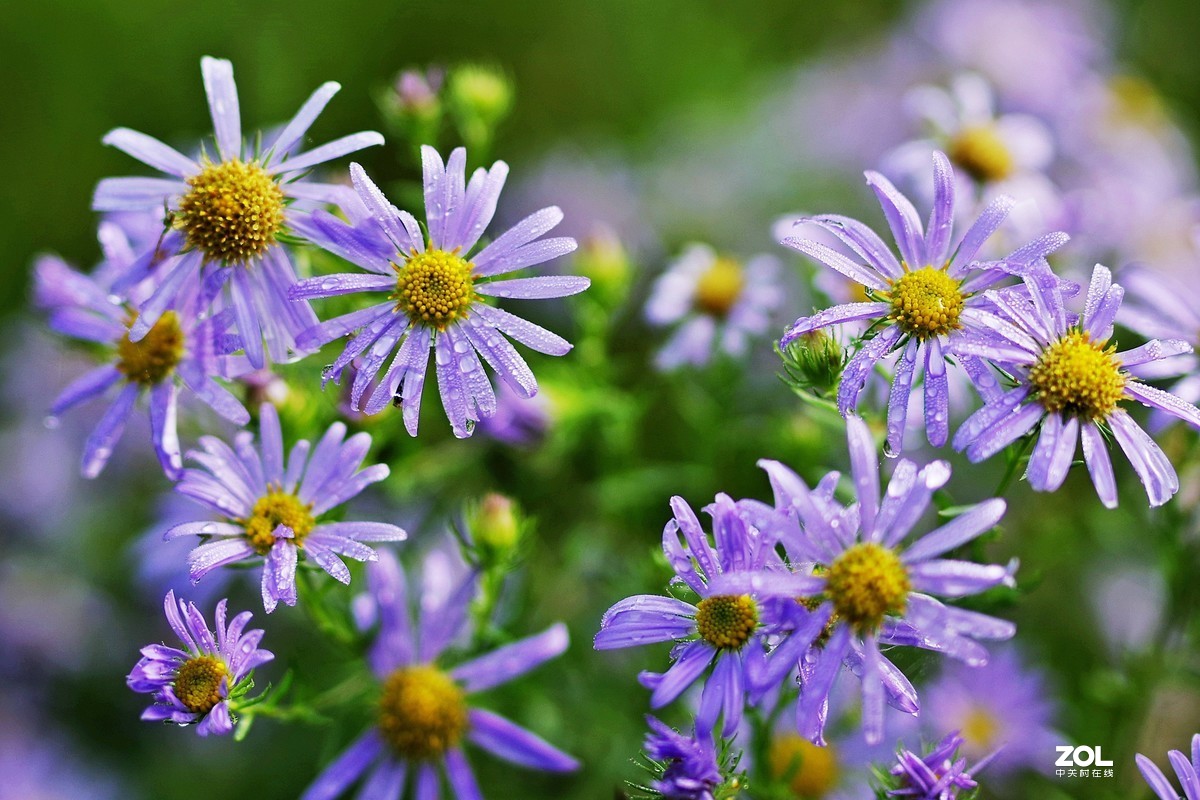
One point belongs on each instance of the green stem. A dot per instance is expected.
(1016, 458)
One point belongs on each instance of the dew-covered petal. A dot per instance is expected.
(692, 661)
(859, 273)
(99, 446)
(294, 131)
(223, 105)
(539, 288)
(151, 151)
(327, 152)
(1095, 454)
(511, 661)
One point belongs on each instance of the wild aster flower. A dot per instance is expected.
(272, 509)
(226, 215)
(1071, 381)
(1159, 307)
(859, 589)
(919, 304)
(202, 682)
(689, 763)
(723, 628)
(423, 714)
(715, 302)
(1186, 771)
(938, 775)
(990, 148)
(182, 350)
(436, 291)
(1001, 708)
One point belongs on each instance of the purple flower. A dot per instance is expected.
(435, 291)
(182, 349)
(919, 304)
(423, 715)
(1000, 708)
(723, 628)
(1160, 307)
(938, 775)
(689, 763)
(715, 304)
(272, 508)
(1071, 382)
(1185, 770)
(859, 589)
(202, 682)
(226, 216)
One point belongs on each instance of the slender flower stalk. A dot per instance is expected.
(436, 287)
(226, 212)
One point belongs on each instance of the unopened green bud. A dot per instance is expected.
(481, 92)
(495, 523)
(814, 363)
(603, 259)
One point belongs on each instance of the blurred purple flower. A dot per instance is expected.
(423, 713)
(715, 304)
(518, 420)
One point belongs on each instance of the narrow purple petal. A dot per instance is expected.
(223, 105)
(512, 661)
(1095, 453)
(151, 151)
(104, 436)
(902, 218)
(859, 273)
(346, 769)
(327, 152)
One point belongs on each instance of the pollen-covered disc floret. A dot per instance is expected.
(198, 683)
(434, 287)
(422, 713)
(1078, 376)
(719, 287)
(276, 508)
(726, 621)
(866, 583)
(232, 211)
(982, 153)
(154, 357)
(926, 302)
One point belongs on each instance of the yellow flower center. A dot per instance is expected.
(1078, 376)
(232, 211)
(155, 357)
(278, 508)
(866, 583)
(422, 713)
(812, 604)
(982, 153)
(434, 287)
(198, 683)
(727, 620)
(926, 302)
(810, 771)
(979, 729)
(719, 287)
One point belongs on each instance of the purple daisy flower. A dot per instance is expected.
(225, 216)
(689, 763)
(201, 683)
(919, 304)
(435, 291)
(723, 628)
(423, 713)
(1160, 307)
(272, 508)
(1188, 773)
(182, 350)
(861, 590)
(715, 304)
(1072, 382)
(938, 775)
(1001, 708)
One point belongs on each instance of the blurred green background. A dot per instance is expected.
(610, 71)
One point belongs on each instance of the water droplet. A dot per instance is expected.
(51, 422)
(890, 451)
(461, 346)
